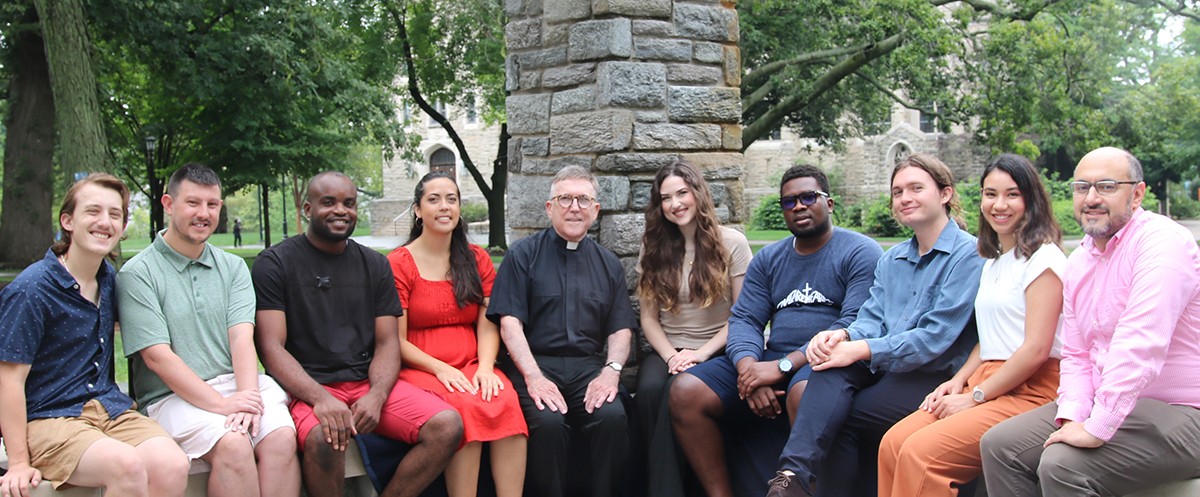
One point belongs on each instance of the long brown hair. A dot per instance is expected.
(103, 180)
(1037, 226)
(663, 246)
(942, 177)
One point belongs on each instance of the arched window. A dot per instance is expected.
(443, 160)
(898, 152)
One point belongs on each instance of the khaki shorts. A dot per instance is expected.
(57, 444)
(197, 431)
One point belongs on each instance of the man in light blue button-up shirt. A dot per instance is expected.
(913, 333)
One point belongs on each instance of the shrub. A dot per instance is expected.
(1064, 212)
(848, 216)
(768, 215)
(474, 213)
(877, 219)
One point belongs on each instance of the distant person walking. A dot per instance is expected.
(237, 232)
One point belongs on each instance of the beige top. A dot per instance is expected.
(690, 326)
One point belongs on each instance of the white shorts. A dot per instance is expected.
(197, 430)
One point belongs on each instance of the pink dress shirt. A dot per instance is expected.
(1131, 324)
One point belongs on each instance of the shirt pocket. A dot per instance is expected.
(922, 304)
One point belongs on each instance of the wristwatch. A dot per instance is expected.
(616, 366)
(785, 365)
(978, 396)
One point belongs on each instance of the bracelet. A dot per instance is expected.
(847, 332)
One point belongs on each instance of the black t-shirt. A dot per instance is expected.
(569, 301)
(330, 301)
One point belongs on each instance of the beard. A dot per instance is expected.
(1105, 228)
(321, 230)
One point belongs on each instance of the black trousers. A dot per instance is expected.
(585, 451)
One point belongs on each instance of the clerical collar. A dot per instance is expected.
(572, 245)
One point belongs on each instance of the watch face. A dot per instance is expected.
(977, 395)
(785, 365)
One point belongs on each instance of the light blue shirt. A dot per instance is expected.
(920, 312)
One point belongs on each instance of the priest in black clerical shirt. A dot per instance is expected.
(560, 298)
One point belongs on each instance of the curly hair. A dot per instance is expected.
(1038, 226)
(663, 245)
(464, 274)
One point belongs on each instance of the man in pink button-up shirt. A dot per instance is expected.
(1126, 417)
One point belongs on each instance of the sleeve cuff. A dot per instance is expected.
(1070, 411)
(1103, 424)
(738, 356)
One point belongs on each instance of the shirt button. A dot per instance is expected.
(90, 385)
(101, 340)
(75, 286)
(94, 363)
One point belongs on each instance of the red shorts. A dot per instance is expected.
(405, 411)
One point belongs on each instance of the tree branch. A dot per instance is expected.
(892, 95)
(769, 120)
(1025, 14)
(1178, 8)
(759, 75)
(414, 90)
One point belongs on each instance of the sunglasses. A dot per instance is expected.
(806, 198)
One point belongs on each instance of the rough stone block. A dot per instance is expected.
(550, 167)
(526, 201)
(599, 131)
(660, 49)
(591, 40)
(541, 59)
(708, 52)
(622, 233)
(570, 75)
(514, 8)
(720, 192)
(692, 74)
(718, 165)
(650, 116)
(733, 66)
(512, 73)
(690, 104)
(731, 136)
(633, 163)
(530, 80)
(633, 8)
(566, 10)
(575, 100)
(533, 145)
(642, 27)
(639, 196)
(702, 22)
(676, 136)
(528, 114)
(514, 154)
(724, 215)
(526, 33)
(632, 84)
(614, 193)
(555, 34)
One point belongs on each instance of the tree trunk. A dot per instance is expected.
(82, 143)
(264, 194)
(25, 218)
(495, 196)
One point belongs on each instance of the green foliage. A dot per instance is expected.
(768, 215)
(877, 219)
(969, 196)
(1064, 213)
(474, 212)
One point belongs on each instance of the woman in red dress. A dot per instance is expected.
(448, 347)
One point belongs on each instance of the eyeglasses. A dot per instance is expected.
(565, 200)
(1103, 187)
(806, 198)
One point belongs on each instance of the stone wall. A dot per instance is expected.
(621, 87)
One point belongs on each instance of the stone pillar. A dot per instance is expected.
(621, 87)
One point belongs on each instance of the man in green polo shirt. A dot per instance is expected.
(187, 320)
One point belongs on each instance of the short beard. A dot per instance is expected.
(813, 232)
(322, 231)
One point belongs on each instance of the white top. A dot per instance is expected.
(1000, 303)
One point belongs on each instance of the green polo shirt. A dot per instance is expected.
(164, 297)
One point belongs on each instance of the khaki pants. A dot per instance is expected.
(1158, 443)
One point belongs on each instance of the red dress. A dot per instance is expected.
(437, 326)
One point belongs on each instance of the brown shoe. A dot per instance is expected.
(786, 485)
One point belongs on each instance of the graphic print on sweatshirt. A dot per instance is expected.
(800, 298)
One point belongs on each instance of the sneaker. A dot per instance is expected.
(785, 484)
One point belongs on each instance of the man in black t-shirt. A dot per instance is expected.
(328, 333)
(560, 298)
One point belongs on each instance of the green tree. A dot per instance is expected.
(25, 227)
(453, 53)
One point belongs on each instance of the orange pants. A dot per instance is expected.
(925, 456)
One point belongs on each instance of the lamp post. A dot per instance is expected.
(151, 148)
